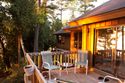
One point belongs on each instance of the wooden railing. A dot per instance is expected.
(37, 77)
(62, 57)
(65, 57)
(35, 59)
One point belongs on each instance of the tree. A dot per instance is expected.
(17, 17)
(80, 6)
(75, 6)
(23, 14)
(47, 21)
(7, 34)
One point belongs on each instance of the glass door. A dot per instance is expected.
(109, 54)
(120, 53)
(103, 58)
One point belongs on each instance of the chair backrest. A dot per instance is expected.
(47, 57)
(82, 56)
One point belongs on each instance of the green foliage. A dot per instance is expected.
(18, 16)
(23, 13)
(16, 76)
(56, 25)
(2, 65)
(46, 37)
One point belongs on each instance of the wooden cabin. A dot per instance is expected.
(102, 32)
(63, 40)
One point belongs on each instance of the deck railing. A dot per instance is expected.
(35, 59)
(62, 57)
(37, 77)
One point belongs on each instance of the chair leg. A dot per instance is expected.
(75, 69)
(66, 70)
(60, 71)
(49, 75)
(26, 80)
(86, 69)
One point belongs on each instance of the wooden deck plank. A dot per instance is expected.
(79, 77)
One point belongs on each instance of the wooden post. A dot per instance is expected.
(55, 58)
(60, 58)
(72, 48)
(84, 37)
(123, 43)
(35, 57)
(39, 61)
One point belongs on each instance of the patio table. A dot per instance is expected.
(66, 65)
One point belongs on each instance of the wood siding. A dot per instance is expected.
(66, 44)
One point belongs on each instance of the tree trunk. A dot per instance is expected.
(19, 46)
(36, 41)
(36, 38)
(5, 57)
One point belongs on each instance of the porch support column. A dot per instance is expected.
(91, 45)
(72, 48)
(84, 36)
(91, 39)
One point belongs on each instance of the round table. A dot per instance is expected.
(66, 65)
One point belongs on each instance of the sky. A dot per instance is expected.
(66, 14)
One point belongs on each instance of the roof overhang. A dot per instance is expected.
(74, 28)
(98, 18)
(61, 31)
(107, 11)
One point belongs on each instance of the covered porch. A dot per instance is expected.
(100, 32)
(40, 75)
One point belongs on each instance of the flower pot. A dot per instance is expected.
(29, 70)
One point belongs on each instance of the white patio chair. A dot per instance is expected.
(111, 77)
(48, 63)
(82, 60)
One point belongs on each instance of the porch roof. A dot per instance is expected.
(104, 8)
(73, 28)
(61, 31)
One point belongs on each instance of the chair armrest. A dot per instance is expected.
(76, 61)
(46, 63)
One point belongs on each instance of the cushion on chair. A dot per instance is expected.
(52, 67)
(81, 63)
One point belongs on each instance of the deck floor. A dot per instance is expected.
(79, 77)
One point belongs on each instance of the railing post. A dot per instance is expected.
(39, 61)
(60, 58)
(35, 58)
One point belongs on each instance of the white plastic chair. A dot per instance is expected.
(111, 77)
(82, 60)
(48, 63)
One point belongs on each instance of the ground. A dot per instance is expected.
(14, 75)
